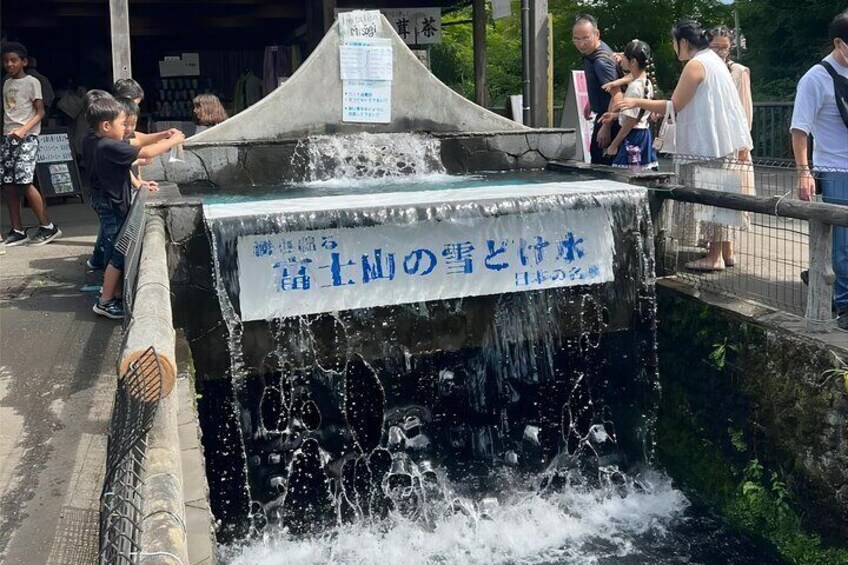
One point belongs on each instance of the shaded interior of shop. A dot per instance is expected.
(235, 42)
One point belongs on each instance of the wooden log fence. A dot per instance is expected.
(820, 216)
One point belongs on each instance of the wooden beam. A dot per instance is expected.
(539, 63)
(481, 87)
(119, 25)
(834, 214)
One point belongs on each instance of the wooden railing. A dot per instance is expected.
(821, 218)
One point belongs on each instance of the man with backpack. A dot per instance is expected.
(600, 67)
(821, 110)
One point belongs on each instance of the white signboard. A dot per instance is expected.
(367, 101)
(366, 59)
(416, 26)
(307, 272)
(572, 114)
(54, 148)
(360, 24)
(500, 9)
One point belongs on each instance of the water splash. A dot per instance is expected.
(340, 158)
(576, 525)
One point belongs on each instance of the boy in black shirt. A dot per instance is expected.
(111, 159)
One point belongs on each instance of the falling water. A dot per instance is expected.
(334, 159)
(505, 429)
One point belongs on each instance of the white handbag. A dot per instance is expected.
(666, 141)
(726, 178)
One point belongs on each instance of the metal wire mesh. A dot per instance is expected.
(121, 499)
(129, 243)
(762, 256)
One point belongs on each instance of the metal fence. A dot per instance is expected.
(770, 130)
(136, 401)
(128, 242)
(753, 255)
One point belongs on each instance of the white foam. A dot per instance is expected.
(357, 184)
(525, 528)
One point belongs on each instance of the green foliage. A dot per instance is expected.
(784, 40)
(721, 446)
(718, 356)
(751, 497)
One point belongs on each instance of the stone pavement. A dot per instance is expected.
(57, 381)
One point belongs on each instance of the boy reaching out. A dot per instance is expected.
(112, 158)
(23, 109)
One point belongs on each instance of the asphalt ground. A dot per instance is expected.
(57, 381)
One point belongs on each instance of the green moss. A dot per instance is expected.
(732, 426)
(753, 500)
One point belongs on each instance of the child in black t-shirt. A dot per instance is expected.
(109, 170)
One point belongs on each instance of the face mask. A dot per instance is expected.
(842, 47)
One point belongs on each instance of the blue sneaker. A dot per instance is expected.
(114, 309)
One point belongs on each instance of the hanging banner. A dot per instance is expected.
(416, 26)
(576, 100)
(307, 272)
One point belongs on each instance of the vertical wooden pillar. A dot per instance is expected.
(481, 87)
(526, 64)
(538, 63)
(329, 14)
(119, 24)
(820, 290)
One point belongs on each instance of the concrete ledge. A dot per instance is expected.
(163, 523)
(199, 521)
(273, 161)
(151, 323)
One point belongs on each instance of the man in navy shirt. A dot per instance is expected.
(600, 68)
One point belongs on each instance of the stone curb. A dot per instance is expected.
(163, 522)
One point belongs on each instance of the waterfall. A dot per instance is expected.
(342, 158)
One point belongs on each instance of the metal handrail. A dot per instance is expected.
(121, 499)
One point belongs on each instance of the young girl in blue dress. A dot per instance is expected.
(635, 139)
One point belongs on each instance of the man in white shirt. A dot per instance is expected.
(817, 113)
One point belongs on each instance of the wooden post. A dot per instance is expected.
(821, 278)
(481, 88)
(550, 71)
(119, 24)
(538, 63)
(329, 14)
(526, 64)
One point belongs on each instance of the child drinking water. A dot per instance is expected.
(633, 146)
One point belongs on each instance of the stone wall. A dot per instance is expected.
(751, 391)
(260, 162)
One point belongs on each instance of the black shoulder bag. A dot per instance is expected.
(840, 90)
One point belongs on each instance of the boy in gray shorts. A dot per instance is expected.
(23, 109)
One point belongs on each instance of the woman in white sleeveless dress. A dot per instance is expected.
(722, 40)
(711, 129)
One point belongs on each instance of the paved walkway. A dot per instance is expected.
(57, 381)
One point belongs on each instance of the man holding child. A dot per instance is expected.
(601, 68)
